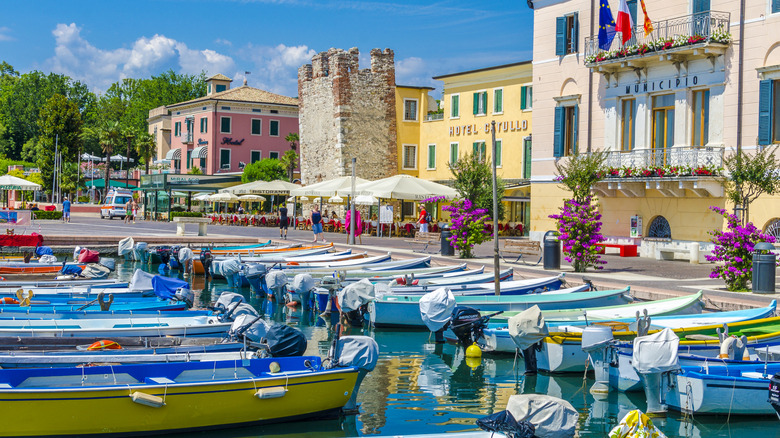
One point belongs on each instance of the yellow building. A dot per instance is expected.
(461, 124)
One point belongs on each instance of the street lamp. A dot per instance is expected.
(127, 159)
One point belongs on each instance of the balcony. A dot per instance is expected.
(700, 35)
(670, 171)
(434, 116)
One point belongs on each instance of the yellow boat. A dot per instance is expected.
(174, 397)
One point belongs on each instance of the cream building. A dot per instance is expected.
(705, 82)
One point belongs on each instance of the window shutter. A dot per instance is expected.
(701, 6)
(765, 110)
(560, 36)
(522, 97)
(498, 101)
(476, 149)
(455, 108)
(530, 102)
(575, 33)
(476, 103)
(484, 102)
(775, 6)
(632, 10)
(558, 131)
(575, 129)
(497, 158)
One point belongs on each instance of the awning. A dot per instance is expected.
(173, 154)
(200, 152)
(101, 183)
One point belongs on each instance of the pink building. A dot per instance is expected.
(229, 128)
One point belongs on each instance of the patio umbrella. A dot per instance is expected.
(366, 200)
(276, 187)
(223, 197)
(8, 182)
(88, 157)
(404, 187)
(303, 198)
(201, 197)
(120, 158)
(335, 199)
(251, 198)
(327, 188)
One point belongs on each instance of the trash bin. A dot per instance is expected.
(764, 263)
(552, 251)
(446, 245)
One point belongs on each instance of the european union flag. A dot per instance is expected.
(606, 26)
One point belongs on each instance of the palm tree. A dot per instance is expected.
(146, 146)
(289, 161)
(293, 139)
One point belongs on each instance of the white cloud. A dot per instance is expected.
(223, 42)
(275, 69)
(98, 68)
(4, 34)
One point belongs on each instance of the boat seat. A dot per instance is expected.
(211, 374)
(5, 386)
(76, 380)
(158, 381)
(699, 337)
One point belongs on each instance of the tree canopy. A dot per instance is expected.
(474, 181)
(267, 169)
(59, 127)
(750, 176)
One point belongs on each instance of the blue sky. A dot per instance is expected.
(100, 42)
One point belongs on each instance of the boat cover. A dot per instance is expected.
(47, 259)
(108, 262)
(303, 283)
(226, 268)
(125, 246)
(527, 327)
(95, 270)
(255, 270)
(71, 270)
(275, 279)
(185, 255)
(141, 280)
(243, 309)
(165, 287)
(285, 341)
(355, 295)
(436, 308)
(358, 351)
(551, 416)
(504, 422)
(88, 256)
(656, 353)
(76, 252)
(226, 300)
(43, 250)
(250, 326)
(636, 425)
(139, 251)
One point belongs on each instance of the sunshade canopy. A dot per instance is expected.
(101, 183)
(223, 197)
(251, 198)
(120, 158)
(88, 157)
(201, 197)
(8, 182)
(276, 187)
(328, 188)
(365, 200)
(336, 199)
(404, 187)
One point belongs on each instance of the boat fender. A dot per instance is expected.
(147, 399)
(400, 281)
(734, 348)
(272, 392)
(105, 344)
(9, 300)
(292, 264)
(415, 282)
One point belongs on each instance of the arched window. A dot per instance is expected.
(773, 229)
(660, 228)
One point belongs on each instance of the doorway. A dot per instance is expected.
(663, 128)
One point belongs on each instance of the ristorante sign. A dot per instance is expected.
(473, 129)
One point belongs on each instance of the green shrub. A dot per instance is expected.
(44, 215)
(185, 214)
(84, 199)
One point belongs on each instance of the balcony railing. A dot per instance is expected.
(683, 156)
(434, 116)
(711, 25)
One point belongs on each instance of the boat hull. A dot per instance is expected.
(713, 394)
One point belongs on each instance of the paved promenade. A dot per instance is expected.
(648, 278)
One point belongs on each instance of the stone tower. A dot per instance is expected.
(344, 113)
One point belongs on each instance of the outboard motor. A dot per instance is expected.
(527, 330)
(226, 304)
(285, 341)
(140, 252)
(655, 357)
(164, 254)
(353, 351)
(467, 324)
(96, 271)
(301, 290)
(551, 417)
(276, 281)
(253, 328)
(173, 262)
(126, 246)
(255, 276)
(774, 393)
(597, 341)
(353, 301)
(185, 258)
(185, 295)
(229, 269)
(206, 260)
(47, 259)
(504, 422)
(326, 292)
(436, 311)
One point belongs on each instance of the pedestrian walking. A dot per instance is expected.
(134, 207)
(423, 220)
(358, 224)
(316, 223)
(66, 210)
(129, 210)
(283, 222)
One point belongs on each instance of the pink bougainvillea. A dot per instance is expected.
(579, 230)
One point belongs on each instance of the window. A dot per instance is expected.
(225, 125)
(257, 125)
(209, 92)
(273, 128)
(527, 157)
(410, 156)
(775, 6)
(255, 156)
(498, 101)
(455, 105)
(698, 6)
(566, 34)
(768, 117)
(189, 157)
(202, 163)
(701, 116)
(480, 103)
(499, 159)
(480, 150)
(273, 155)
(565, 131)
(631, 10)
(221, 88)
(204, 125)
(453, 153)
(431, 156)
(224, 158)
(627, 124)
(177, 129)
(410, 110)
(526, 97)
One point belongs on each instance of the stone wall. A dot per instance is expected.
(346, 113)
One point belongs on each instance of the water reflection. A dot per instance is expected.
(420, 387)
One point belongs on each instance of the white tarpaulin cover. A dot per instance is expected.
(95, 270)
(126, 246)
(227, 300)
(185, 254)
(226, 268)
(355, 295)
(552, 417)
(527, 327)
(358, 351)
(436, 308)
(258, 329)
(303, 283)
(276, 279)
(656, 353)
(141, 280)
(47, 259)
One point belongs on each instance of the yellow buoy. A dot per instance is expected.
(473, 350)
(473, 362)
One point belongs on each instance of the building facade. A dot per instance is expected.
(228, 128)
(666, 107)
(160, 128)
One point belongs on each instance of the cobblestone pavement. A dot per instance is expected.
(648, 278)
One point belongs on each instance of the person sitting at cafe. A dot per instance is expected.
(34, 207)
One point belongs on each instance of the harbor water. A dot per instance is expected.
(419, 387)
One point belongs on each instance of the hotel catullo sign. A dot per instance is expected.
(473, 129)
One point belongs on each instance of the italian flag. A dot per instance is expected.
(624, 23)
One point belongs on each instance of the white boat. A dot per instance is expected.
(187, 326)
(515, 287)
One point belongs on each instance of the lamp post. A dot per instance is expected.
(127, 158)
(496, 267)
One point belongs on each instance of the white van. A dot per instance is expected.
(114, 205)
